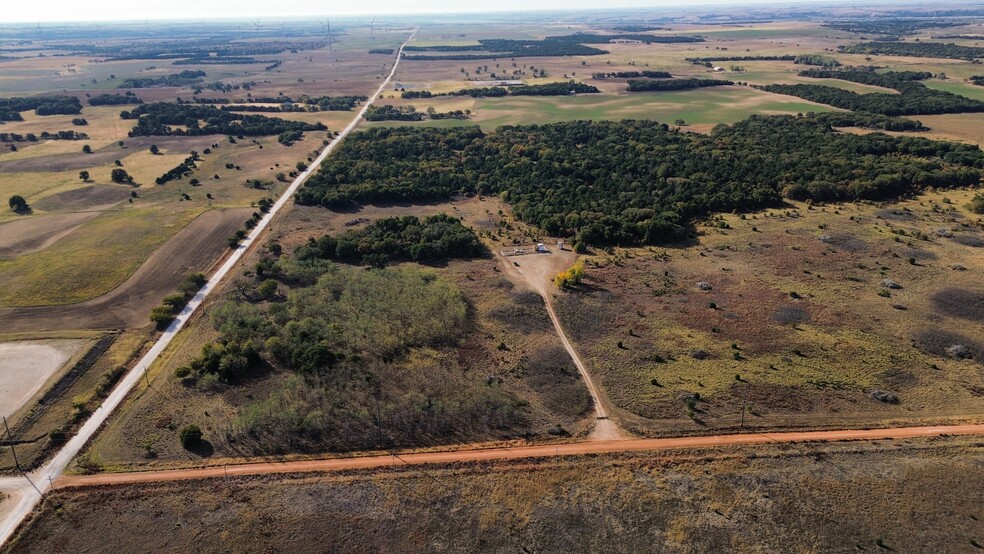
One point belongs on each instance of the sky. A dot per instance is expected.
(111, 10)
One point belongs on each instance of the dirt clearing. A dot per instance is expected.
(26, 366)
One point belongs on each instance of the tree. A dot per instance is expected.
(84, 175)
(86, 149)
(267, 289)
(154, 149)
(121, 176)
(18, 204)
(190, 436)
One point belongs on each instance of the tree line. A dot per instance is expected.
(917, 49)
(640, 85)
(913, 98)
(631, 75)
(157, 119)
(636, 182)
(44, 135)
(179, 171)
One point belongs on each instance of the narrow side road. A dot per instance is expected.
(539, 279)
(28, 496)
(487, 454)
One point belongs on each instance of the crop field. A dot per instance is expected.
(963, 89)
(820, 497)
(699, 107)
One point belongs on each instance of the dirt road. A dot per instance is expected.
(570, 449)
(28, 497)
(538, 270)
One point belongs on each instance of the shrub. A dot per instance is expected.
(190, 436)
(976, 204)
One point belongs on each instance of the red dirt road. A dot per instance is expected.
(486, 454)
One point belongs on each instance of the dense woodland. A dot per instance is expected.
(916, 49)
(508, 48)
(182, 79)
(641, 85)
(914, 98)
(437, 237)
(106, 99)
(10, 108)
(634, 182)
(159, 118)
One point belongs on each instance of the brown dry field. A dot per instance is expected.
(197, 247)
(30, 235)
(864, 496)
(797, 310)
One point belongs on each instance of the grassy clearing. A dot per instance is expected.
(963, 89)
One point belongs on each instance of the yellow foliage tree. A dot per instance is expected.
(571, 277)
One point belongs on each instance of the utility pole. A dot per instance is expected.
(11, 439)
(17, 463)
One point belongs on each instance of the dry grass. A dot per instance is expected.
(800, 319)
(825, 498)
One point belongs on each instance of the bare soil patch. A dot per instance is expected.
(36, 233)
(26, 366)
(194, 248)
(91, 197)
(962, 303)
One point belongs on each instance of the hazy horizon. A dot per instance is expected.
(62, 11)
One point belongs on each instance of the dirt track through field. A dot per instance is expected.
(538, 270)
(128, 305)
(490, 454)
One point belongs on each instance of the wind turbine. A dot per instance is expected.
(257, 25)
(372, 32)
